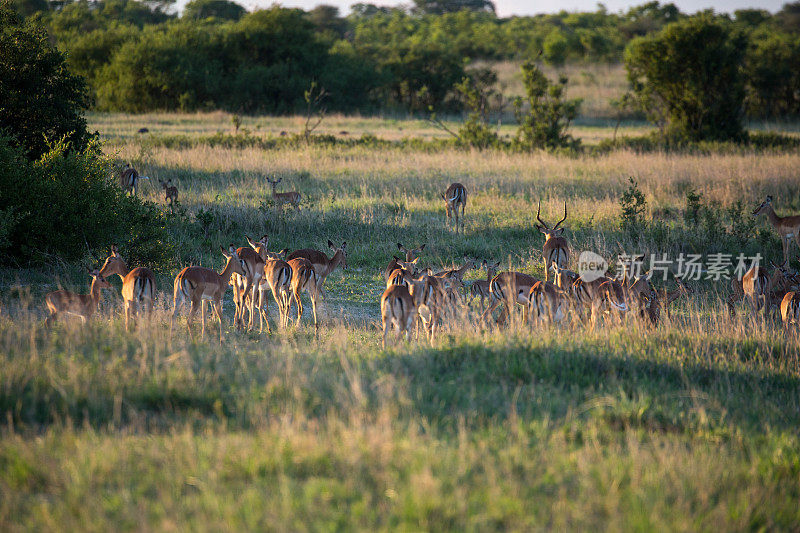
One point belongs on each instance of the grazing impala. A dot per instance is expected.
(790, 308)
(280, 198)
(555, 250)
(323, 266)
(400, 306)
(480, 288)
(546, 303)
(304, 278)
(170, 192)
(510, 288)
(787, 227)
(138, 285)
(457, 273)
(129, 179)
(199, 285)
(82, 305)
(666, 297)
(455, 196)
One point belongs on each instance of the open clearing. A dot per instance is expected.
(692, 425)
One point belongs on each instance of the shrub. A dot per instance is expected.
(63, 205)
(545, 122)
(39, 99)
(632, 203)
(688, 78)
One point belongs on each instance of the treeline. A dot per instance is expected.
(138, 57)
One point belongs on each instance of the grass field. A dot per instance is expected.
(692, 425)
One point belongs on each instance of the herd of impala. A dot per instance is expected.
(413, 293)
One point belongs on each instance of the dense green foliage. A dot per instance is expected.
(63, 206)
(40, 100)
(136, 57)
(688, 78)
(544, 114)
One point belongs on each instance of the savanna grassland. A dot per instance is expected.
(691, 425)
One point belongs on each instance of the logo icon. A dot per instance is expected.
(591, 266)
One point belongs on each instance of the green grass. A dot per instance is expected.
(689, 426)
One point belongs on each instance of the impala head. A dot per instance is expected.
(491, 268)
(98, 281)
(555, 231)
(260, 246)
(114, 263)
(274, 183)
(277, 255)
(683, 287)
(410, 254)
(781, 272)
(233, 258)
(420, 292)
(343, 249)
(765, 204)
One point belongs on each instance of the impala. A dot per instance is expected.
(400, 305)
(790, 308)
(82, 305)
(555, 250)
(439, 300)
(280, 198)
(304, 278)
(170, 192)
(457, 273)
(759, 287)
(405, 271)
(546, 303)
(253, 265)
(199, 285)
(129, 179)
(609, 296)
(277, 278)
(666, 297)
(639, 295)
(411, 254)
(509, 288)
(323, 265)
(481, 287)
(787, 227)
(455, 196)
(138, 285)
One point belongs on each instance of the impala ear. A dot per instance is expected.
(769, 199)
(540, 228)
(114, 250)
(283, 252)
(414, 262)
(330, 244)
(401, 247)
(558, 232)
(344, 245)
(421, 248)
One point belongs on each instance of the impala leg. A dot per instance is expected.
(299, 306)
(192, 313)
(251, 289)
(263, 309)
(218, 312)
(203, 312)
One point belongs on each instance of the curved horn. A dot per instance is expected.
(563, 219)
(538, 208)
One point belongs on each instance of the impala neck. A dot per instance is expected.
(335, 261)
(227, 272)
(94, 293)
(118, 268)
(773, 218)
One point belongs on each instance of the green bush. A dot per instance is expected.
(64, 206)
(40, 100)
(544, 115)
(688, 78)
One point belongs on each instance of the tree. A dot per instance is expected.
(788, 18)
(688, 78)
(40, 100)
(773, 80)
(221, 9)
(545, 121)
(438, 7)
